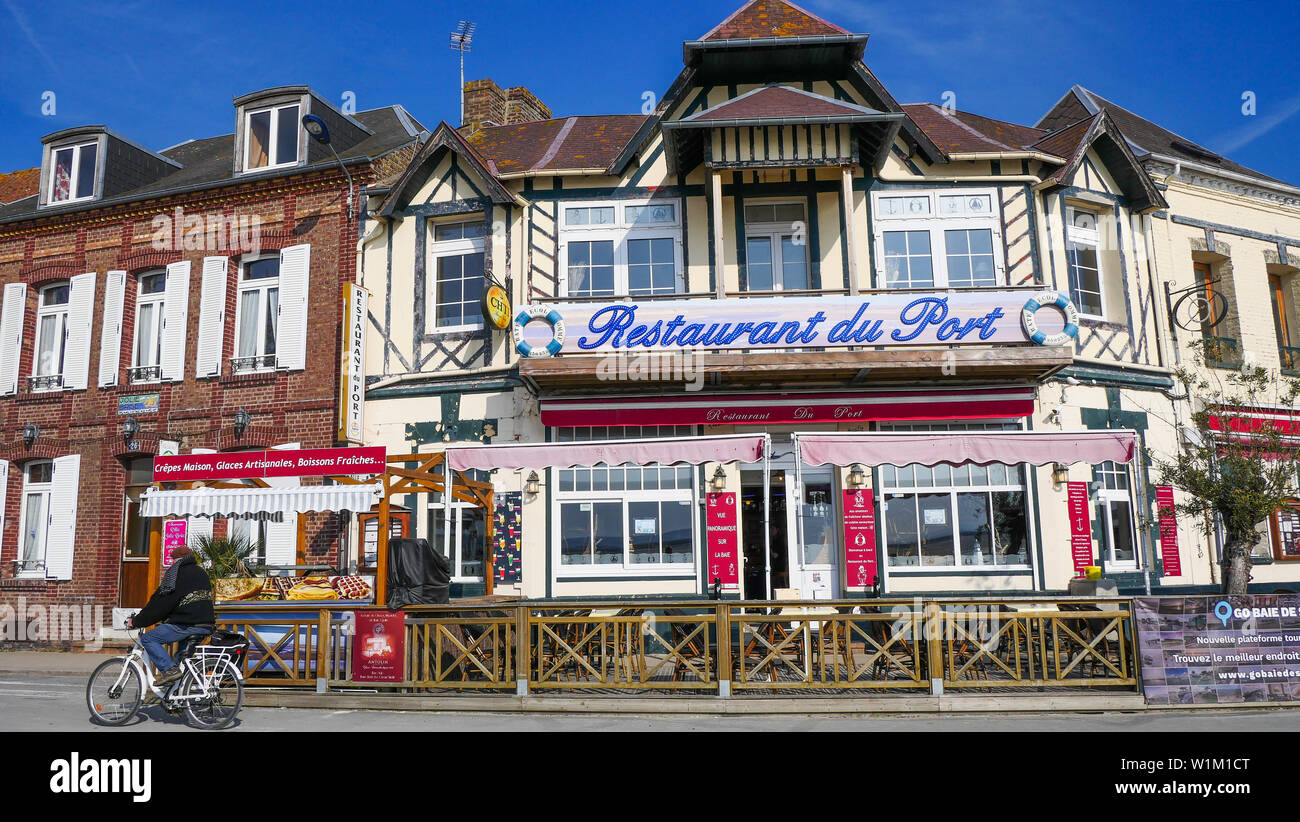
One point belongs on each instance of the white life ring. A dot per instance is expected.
(548, 315)
(1058, 300)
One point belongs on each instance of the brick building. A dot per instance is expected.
(175, 301)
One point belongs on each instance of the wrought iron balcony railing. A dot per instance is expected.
(244, 365)
(45, 382)
(144, 373)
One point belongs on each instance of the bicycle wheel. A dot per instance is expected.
(114, 702)
(225, 695)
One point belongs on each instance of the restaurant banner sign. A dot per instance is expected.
(1219, 650)
(353, 374)
(723, 541)
(379, 646)
(880, 319)
(860, 538)
(310, 462)
(1076, 494)
(1168, 518)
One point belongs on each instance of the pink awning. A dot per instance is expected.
(766, 408)
(689, 450)
(979, 447)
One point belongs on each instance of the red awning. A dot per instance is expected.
(1286, 421)
(762, 409)
(688, 450)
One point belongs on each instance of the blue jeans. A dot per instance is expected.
(155, 640)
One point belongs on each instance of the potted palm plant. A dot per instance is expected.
(225, 557)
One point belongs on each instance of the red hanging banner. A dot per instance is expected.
(860, 539)
(723, 541)
(1080, 526)
(1168, 518)
(379, 647)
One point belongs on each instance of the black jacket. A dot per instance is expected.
(189, 603)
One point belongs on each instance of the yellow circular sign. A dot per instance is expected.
(496, 307)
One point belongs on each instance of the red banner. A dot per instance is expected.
(723, 541)
(311, 462)
(379, 647)
(1080, 526)
(860, 539)
(1168, 531)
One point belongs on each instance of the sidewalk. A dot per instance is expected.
(56, 663)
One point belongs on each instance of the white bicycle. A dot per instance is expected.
(209, 692)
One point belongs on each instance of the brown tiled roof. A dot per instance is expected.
(1065, 143)
(19, 184)
(962, 132)
(775, 102)
(556, 145)
(771, 18)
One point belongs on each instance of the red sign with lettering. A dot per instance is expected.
(1080, 526)
(310, 462)
(860, 539)
(1168, 531)
(723, 541)
(379, 647)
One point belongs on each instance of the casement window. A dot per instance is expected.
(944, 516)
(271, 137)
(257, 320)
(146, 357)
(776, 246)
(624, 520)
(1115, 523)
(937, 239)
(253, 532)
(47, 520)
(72, 173)
(270, 313)
(622, 248)
(135, 528)
(51, 337)
(459, 532)
(1081, 254)
(455, 285)
(1285, 527)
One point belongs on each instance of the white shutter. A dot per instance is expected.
(61, 528)
(291, 332)
(282, 537)
(81, 313)
(11, 335)
(4, 494)
(175, 311)
(110, 337)
(212, 316)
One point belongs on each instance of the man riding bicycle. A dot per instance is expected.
(184, 600)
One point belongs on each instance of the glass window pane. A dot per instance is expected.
(955, 242)
(248, 323)
(645, 531)
(676, 537)
(981, 241)
(262, 269)
(895, 243)
(1010, 528)
(633, 478)
(788, 212)
(286, 135)
(272, 320)
(61, 185)
(794, 267)
(758, 268)
(86, 170)
(608, 532)
(973, 526)
(1121, 534)
(936, 529)
(575, 533)
(259, 139)
(900, 530)
(918, 242)
(473, 537)
(34, 529)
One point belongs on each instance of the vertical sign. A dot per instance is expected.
(860, 539)
(1168, 531)
(174, 535)
(506, 527)
(723, 554)
(379, 647)
(352, 385)
(1080, 526)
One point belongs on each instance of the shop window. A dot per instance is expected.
(1082, 257)
(955, 515)
(271, 137)
(135, 538)
(1116, 534)
(929, 239)
(38, 481)
(626, 248)
(146, 357)
(460, 533)
(258, 319)
(1279, 535)
(51, 337)
(776, 247)
(455, 285)
(72, 173)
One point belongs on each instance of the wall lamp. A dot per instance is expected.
(1060, 474)
(719, 480)
(242, 420)
(30, 433)
(532, 485)
(130, 427)
(857, 476)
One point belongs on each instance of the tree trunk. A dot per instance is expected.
(1236, 568)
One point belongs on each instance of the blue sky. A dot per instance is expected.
(161, 73)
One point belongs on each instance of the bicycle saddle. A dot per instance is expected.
(186, 646)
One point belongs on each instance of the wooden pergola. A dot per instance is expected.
(397, 479)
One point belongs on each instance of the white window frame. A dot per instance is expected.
(60, 312)
(885, 491)
(1088, 239)
(74, 178)
(42, 489)
(773, 232)
(620, 233)
(159, 301)
(1108, 474)
(253, 530)
(453, 537)
(264, 285)
(936, 223)
(439, 249)
(273, 137)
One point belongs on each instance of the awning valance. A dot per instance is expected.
(238, 502)
(956, 448)
(689, 450)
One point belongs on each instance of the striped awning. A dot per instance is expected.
(241, 502)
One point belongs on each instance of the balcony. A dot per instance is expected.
(1222, 352)
(144, 373)
(45, 382)
(1290, 358)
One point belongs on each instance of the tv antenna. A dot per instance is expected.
(461, 40)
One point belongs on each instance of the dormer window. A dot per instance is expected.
(72, 172)
(271, 139)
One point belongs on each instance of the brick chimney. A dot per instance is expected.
(487, 105)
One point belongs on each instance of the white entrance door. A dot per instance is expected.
(814, 559)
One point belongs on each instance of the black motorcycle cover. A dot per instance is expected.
(417, 574)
